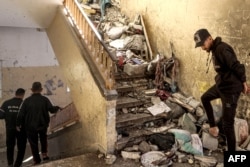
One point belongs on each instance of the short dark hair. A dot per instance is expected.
(36, 86)
(20, 91)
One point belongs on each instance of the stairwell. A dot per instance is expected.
(111, 105)
(131, 112)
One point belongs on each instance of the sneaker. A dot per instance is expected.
(37, 162)
(46, 158)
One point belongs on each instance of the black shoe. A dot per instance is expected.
(46, 158)
(37, 162)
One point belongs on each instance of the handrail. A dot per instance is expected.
(103, 59)
(67, 116)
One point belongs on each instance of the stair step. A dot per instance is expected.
(125, 102)
(121, 86)
(124, 88)
(123, 76)
(132, 120)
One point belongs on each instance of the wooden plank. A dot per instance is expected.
(146, 37)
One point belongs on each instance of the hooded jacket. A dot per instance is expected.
(230, 72)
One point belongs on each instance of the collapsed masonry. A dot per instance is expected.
(156, 122)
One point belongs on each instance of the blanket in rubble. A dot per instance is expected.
(163, 141)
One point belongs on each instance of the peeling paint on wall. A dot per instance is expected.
(52, 84)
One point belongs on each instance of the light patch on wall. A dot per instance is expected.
(68, 89)
(203, 86)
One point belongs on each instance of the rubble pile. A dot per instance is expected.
(156, 123)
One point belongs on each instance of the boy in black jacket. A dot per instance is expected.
(230, 81)
(34, 112)
(9, 111)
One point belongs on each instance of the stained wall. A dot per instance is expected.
(27, 56)
(171, 21)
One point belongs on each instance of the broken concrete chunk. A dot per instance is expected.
(150, 92)
(100, 156)
(110, 159)
(193, 102)
(131, 155)
(125, 110)
(144, 147)
(206, 160)
(154, 147)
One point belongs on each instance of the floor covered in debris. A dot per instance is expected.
(157, 124)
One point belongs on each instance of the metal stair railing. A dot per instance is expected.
(100, 55)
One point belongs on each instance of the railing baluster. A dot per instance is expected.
(105, 62)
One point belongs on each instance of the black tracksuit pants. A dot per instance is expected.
(229, 105)
(14, 137)
(33, 137)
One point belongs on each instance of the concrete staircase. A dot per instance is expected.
(131, 112)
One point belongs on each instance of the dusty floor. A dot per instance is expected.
(92, 160)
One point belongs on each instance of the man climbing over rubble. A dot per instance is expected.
(230, 81)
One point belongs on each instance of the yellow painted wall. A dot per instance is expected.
(53, 82)
(15, 77)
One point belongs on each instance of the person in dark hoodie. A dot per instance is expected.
(230, 81)
(9, 111)
(34, 112)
